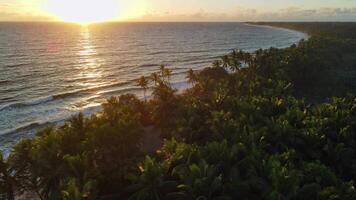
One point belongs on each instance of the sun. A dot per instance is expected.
(84, 11)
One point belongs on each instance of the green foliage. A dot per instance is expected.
(76, 160)
(152, 183)
(7, 181)
(240, 132)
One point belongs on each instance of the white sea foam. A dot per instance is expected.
(51, 71)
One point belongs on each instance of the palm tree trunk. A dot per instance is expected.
(144, 94)
(9, 187)
(10, 193)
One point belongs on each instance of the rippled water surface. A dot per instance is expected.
(50, 71)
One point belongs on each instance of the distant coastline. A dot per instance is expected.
(272, 25)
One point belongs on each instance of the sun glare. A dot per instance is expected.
(84, 11)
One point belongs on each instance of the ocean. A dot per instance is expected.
(51, 71)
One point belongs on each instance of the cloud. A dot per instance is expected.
(321, 14)
(234, 13)
(249, 14)
(201, 15)
(12, 16)
(20, 11)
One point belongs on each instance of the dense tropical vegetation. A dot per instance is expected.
(261, 125)
(330, 55)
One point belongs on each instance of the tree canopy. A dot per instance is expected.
(261, 125)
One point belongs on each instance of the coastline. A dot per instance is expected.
(252, 123)
(27, 131)
(308, 35)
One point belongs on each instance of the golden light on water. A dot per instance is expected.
(90, 65)
(89, 69)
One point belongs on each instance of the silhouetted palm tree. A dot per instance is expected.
(162, 69)
(143, 83)
(191, 76)
(235, 65)
(234, 54)
(155, 78)
(236, 60)
(248, 58)
(168, 74)
(225, 61)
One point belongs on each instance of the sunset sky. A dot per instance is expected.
(178, 10)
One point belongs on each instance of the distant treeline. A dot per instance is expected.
(340, 30)
(335, 41)
(270, 131)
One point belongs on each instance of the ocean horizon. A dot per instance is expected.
(51, 71)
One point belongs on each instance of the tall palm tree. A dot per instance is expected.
(162, 69)
(225, 61)
(155, 78)
(234, 54)
(168, 74)
(143, 83)
(191, 76)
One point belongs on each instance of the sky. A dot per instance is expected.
(178, 10)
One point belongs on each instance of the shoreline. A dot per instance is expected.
(208, 132)
(30, 130)
(27, 131)
(308, 36)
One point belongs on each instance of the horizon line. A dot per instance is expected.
(211, 21)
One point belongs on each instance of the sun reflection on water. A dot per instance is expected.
(89, 70)
(89, 63)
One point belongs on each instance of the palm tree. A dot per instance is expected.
(78, 125)
(247, 57)
(155, 78)
(168, 74)
(225, 61)
(79, 186)
(6, 180)
(234, 54)
(151, 183)
(235, 65)
(236, 60)
(162, 69)
(217, 63)
(200, 181)
(143, 83)
(191, 76)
